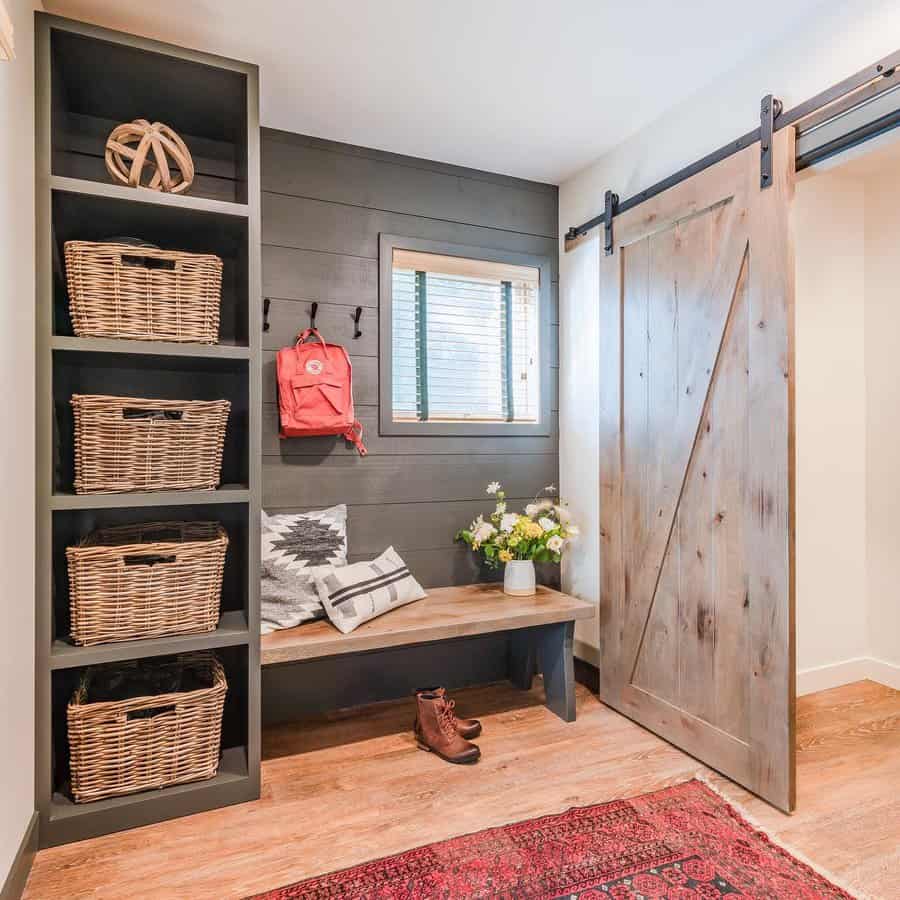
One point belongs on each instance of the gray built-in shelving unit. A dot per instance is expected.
(88, 80)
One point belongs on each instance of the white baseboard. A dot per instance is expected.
(586, 652)
(821, 678)
(885, 672)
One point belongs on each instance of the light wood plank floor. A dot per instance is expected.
(355, 788)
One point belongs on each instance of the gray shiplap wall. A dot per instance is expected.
(323, 207)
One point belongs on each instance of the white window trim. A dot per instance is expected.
(387, 426)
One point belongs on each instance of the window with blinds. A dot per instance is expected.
(465, 340)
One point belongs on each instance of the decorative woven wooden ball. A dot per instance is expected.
(128, 155)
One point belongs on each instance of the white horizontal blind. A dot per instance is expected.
(465, 343)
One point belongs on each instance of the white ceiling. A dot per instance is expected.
(532, 88)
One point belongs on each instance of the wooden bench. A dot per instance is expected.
(540, 631)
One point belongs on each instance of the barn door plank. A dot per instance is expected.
(696, 484)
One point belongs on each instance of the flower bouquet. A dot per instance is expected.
(538, 534)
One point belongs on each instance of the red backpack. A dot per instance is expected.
(315, 391)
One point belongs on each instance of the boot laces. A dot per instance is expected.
(446, 717)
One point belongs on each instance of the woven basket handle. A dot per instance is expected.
(148, 559)
(143, 412)
(135, 259)
(150, 712)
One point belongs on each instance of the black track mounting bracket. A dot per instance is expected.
(610, 207)
(769, 111)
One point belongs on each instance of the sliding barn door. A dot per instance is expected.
(696, 469)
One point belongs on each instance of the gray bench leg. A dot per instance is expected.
(554, 644)
(522, 658)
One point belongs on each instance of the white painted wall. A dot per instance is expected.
(17, 436)
(883, 420)
(835, 43)
(829, 229)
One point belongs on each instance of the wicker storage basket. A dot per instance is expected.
(143, 293)
(170, 735)
(141, 581)
(134, 444)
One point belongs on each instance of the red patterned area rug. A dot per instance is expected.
(678, 843)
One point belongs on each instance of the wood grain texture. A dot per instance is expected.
(309, 481)
(328, 174)
(353, 230)
(414, 162)
(343, 773)
(445, 613)
(379, 445)
(301, 690)
(290, 274)
(696, 492)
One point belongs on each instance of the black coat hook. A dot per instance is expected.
(356, 332)
(312, 315)
(266, 304)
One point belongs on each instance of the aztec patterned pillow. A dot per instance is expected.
(296, 547)
(362, 591)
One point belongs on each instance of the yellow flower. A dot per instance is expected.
(505, 556)
(513, 540)
(476, 545)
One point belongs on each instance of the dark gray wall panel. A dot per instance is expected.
(412, 526)
(293, 274)
(313, 481)
(377, 444)
(324, 206)
(413, 162)
(323, 174)
(333, 321)
(297, 690)
(459, 565)
(353, 230)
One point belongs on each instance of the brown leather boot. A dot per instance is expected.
(467, 728)
(435, 730)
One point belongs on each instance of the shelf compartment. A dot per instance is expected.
(232, 632)
(156, 378)
(68, 821)
(98, 84)
(70, 526)
(234, 780)
(115, 213)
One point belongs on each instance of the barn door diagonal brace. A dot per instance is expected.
(610, 208)
(769, 111)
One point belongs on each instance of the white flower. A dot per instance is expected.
(508, 522)
(555, 543)
(563, 514)
(501, 508)
(546, 524)
(534, 509)
(550, 489)
(476, 523)
(493, 487)
(572, 530)
(483, 532)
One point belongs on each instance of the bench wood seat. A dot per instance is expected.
(446, 613)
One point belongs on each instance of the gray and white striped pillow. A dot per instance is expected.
(362, 591)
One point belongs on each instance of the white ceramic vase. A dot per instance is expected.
(518, 578)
